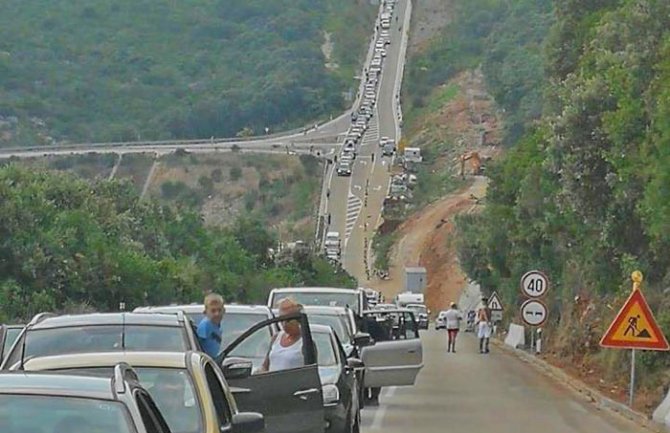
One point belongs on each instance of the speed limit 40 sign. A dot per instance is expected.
(534, 284)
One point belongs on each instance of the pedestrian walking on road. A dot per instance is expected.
(484, 326)
(453, 318)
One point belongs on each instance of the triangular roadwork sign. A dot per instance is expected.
(635, 327)
(494, 303)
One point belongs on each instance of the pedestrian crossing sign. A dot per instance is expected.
(494, 303)
(635, 327)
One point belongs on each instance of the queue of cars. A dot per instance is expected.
(152, 366)
(363, 113)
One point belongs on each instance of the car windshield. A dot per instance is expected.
(336, 322)
(235, 324)
(171, 389)
(325, 349)
(12, 334)
(418, 309)
(38, 413)
(318, 298)
(102, 338)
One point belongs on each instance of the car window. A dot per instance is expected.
(173, 392)
(324, 349)
(409, 327)
(89, 339)
(218, 395)
(336, 322)
(327, 299)
(10, 338)
(49, 414)
(235, 324)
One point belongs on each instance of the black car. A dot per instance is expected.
(36, 402)
(339, 382)
(48, 335)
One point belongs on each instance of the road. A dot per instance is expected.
(355, 202)
(472, 393)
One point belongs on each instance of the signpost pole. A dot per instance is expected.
(632, 378)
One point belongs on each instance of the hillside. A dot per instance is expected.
(96, 70)
(584, 193)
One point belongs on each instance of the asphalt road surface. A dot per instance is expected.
(466, 392)
(355, 202)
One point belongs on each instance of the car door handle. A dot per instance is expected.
(304, 394)
(411, 351)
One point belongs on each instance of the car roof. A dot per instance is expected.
(56, 385)
(384, 311)
(324, 310)
(314, 289)
(110, 359)
(199, 308)
(107, 319)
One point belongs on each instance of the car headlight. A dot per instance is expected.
(331, 394)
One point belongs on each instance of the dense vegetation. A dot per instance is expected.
(585, 193)
(505, 39)
(99, 70)
(67, 242)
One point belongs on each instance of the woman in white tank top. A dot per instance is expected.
(286, 348)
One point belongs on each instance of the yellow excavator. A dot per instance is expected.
(475, 163)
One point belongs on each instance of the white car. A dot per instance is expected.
(441, 321)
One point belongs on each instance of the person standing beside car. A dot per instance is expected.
(286, 346)
(209, 328)
(453, 319)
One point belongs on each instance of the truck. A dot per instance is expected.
(415, 280)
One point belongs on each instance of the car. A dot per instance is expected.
(370, 95)
(237, 318)
(441, 320)
(385, 307)
(102, 332)
(343, 322)
(421, 313)
(339, 382)
(8, 334)
(321, 296)
(38, 402)
(188, 388)
(347, 156)
(344, 168)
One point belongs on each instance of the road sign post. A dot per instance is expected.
(534, 285)
(635, 327)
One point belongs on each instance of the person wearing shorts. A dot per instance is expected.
(484, 326)
(453, 318)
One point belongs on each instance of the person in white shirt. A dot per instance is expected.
(453, 318)
(286, 346)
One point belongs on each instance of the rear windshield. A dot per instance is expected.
(324, 349)
(335, 322)
(235, 324)
(328, 299)
(171, 389)
(47, 414)
(104, 338)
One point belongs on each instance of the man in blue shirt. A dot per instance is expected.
(209, 328)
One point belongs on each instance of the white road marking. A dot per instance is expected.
(381, 410)
(354, 206)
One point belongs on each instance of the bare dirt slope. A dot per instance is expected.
(425, 240)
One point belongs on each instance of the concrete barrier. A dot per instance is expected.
(516, 336)
(662, 413)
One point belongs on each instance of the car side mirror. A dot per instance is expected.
(355, 364)
(248, 422)
(236, 368)
(362, 339)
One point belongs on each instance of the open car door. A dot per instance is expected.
(396, 357)
(290, 400)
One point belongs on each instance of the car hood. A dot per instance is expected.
(329, 375)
